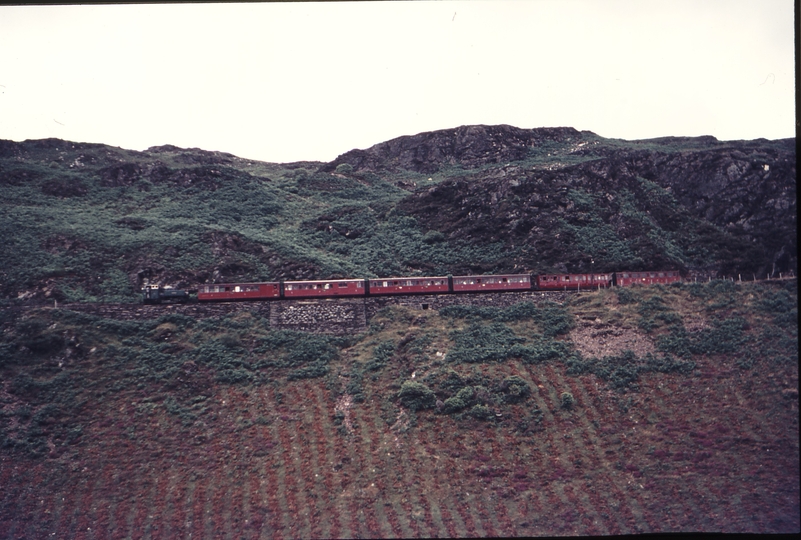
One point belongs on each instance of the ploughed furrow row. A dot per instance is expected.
(546, 465)
(88, 524)
(565, 451)
(178, 500)
(421, 459)
(405, 461)
(380, 444)
(25, 501)
(308, 456)
(205, 521)
(9, 495)
(681, 454)
(103, 508)
(480, 500)
(442, 474)
(291, 439)
(22, 487)
(589, 503)
(218, 456)
(353, 466)
(706, 502)
(595, 437)
(618, 481)
(531, 470)
(595, 462)
(37, 519)
(503, 467)
(226, 471)
(604, 429)
(330, 459)
(281, 491)
(460, 482)
(535, 470)
(381, 479)
(361, 480)
(507, 445)
(156, 509)
(73, 509)
(381, 521)
(269, 508)
(744, 461)
(196, 500)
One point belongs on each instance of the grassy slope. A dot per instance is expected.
(89, 222)
(225, 427)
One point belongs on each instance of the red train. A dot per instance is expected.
(426, 285)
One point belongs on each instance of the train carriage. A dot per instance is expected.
(324, 288)
(221, 292)
(509, 282)
(573, 282)
(626, 279)
(427, 285)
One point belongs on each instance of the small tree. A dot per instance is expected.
(567, 400)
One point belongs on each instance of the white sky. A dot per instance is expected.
(285, 82)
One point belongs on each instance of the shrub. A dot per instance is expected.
(416, 396)
(625, 296)
(344, 168)
(433, 237)
(381, 355)
(514, 389)
(567, 400)
(483, 343)
(309, 372)
(453, 404)
(480, 412)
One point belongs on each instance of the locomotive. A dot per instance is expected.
(330, 288)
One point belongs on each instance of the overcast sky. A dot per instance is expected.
(285, 82)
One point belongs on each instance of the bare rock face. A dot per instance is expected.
(746, 191)
(466, 146)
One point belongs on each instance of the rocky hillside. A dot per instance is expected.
(87, 222)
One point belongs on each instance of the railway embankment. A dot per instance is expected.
(339, 316)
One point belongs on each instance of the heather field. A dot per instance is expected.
(661, 410)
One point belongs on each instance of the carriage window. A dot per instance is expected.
(343, 285)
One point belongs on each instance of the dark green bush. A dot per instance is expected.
(416, 396)
(514, 389)
(381, 355)
(626, 295)
(480, 343)
(727, 336)
(553, 319)
(783, 306)
(480, 412)
(667, 364)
